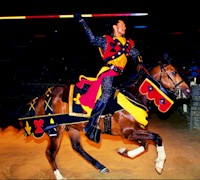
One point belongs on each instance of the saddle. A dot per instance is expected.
(76, 109)
(120, 100)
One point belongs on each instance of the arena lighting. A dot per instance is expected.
(70, 16)
(177, 33)
(140, 27)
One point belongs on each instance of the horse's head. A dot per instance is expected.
(170, 79)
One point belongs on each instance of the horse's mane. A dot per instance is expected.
(129, 86)
(133, 78)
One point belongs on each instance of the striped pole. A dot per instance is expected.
(70, 16)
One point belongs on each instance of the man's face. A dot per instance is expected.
(121, 27)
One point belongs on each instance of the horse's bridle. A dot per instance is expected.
(175, 89)
(161, 72)
(162, 69)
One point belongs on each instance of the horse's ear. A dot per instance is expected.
(161, 60)
(169, 61)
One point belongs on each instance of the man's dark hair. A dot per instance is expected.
(110, 23)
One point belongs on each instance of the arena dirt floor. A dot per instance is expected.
(24, 158)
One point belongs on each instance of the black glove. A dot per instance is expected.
(134, 53)
(139, 66)
(140, 59)
(78, 17)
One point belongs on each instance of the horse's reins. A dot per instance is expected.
(161, 72)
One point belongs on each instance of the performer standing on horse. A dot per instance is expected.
(115, 50)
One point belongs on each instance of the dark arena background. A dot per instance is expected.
(40, 48)
(40, 52)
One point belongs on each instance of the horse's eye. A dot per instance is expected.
(174, 73)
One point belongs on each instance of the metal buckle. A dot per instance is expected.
(115, 68)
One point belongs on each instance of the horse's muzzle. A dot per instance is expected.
(182, 93)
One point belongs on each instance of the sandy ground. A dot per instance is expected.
(24, 158)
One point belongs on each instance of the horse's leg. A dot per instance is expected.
(75, 141)
(135, 152)
(159, 162)
(52, 150)
(142, 136)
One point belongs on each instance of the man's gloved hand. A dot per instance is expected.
(139, 67)
(140, 59)
(140, 63)
(134, 53)
(78, 17)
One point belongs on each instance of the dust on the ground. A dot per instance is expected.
(24, 158)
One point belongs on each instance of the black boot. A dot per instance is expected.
(92, 132)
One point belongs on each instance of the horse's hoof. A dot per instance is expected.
(159, 165)
(104, 171)
(159, 170)
(123, 152)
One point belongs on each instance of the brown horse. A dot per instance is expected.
(122, 123)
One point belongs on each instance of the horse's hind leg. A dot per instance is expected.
(52, 150)
(75, 141)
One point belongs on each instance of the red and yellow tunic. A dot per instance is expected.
(116, 53)
(117, 50)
